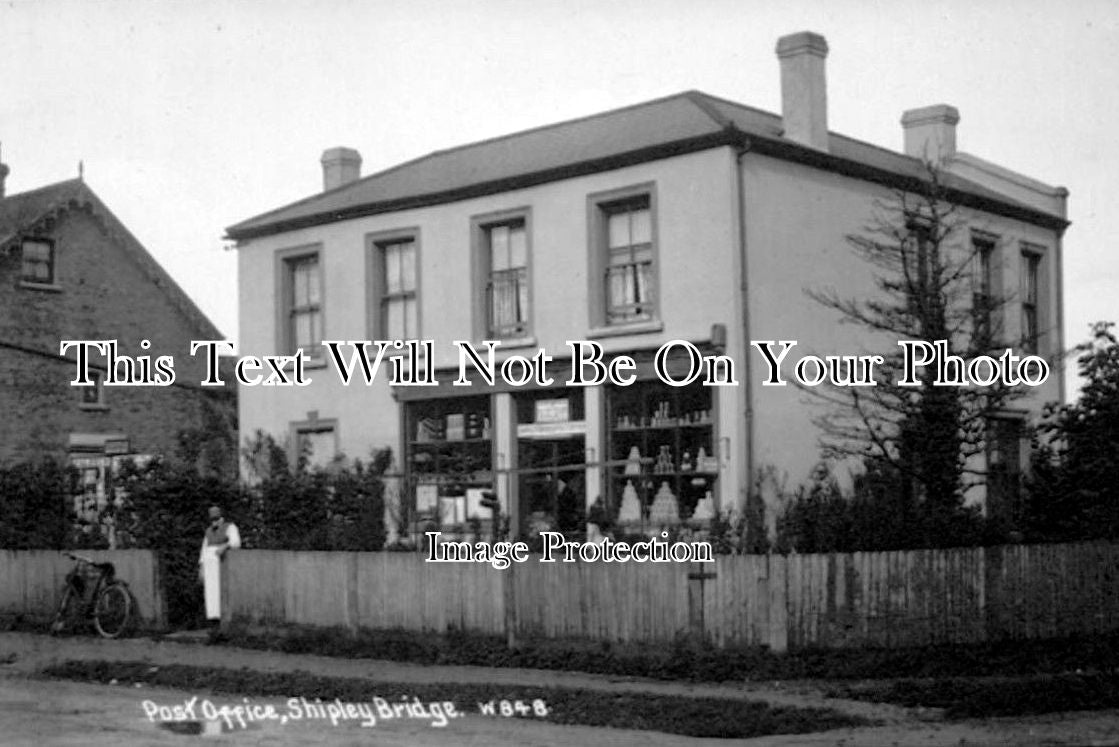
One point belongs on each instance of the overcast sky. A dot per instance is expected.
(191, 116)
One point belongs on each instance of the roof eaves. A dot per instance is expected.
(248, 223)
(729, 133)
(251, 224)
(714, 139)
(790, 151)
(58, 197)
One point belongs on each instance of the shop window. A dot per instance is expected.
(449, 457)
(664, 455)
(95, 463)
(90, 497)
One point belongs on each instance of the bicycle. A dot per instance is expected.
(93, 592)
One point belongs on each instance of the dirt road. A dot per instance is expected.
(35, 711)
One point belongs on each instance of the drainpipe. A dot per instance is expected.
(1057, 351)
(741, 148)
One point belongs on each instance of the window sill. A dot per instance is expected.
(508, 343)
(32, 285)
(404, 351)
(630, 328)
(288, 366)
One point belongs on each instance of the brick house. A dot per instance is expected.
(689, 217)
(69, 270)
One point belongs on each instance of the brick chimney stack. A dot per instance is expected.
(930, 132)
(340, 166)
(804, 94)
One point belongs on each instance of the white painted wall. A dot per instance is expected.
(796, 219)
(697, 284)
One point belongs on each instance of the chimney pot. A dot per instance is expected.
(340, 166)
(930, 132)
(804, 95)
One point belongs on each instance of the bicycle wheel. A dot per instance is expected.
(67, 610)
(113, 611)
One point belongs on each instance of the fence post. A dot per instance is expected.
(509, 599)
(159, 599)
(225, 580)
(352, 593)
(696, 581)
(994, 594)
(777, 575)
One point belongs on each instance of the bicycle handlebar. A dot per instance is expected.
(81, 558)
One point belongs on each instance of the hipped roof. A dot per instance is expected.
(678, 124)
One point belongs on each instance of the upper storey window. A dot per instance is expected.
(38, 262)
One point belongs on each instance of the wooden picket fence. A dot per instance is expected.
(889, 599)
(31, 582)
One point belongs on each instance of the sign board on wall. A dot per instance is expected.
(553, 410)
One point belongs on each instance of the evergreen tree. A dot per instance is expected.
(1073, 493)
(932, 284)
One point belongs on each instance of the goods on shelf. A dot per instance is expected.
(633, 462)
(664, 509)
(630, 511)
(704, 508)
(704, 463)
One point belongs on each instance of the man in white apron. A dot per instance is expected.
(221, 535)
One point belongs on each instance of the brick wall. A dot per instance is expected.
(104, 293)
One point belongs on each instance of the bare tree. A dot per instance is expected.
(933, 283)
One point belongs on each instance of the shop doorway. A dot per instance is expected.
(551, 474)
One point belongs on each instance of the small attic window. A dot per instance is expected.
(38, 262)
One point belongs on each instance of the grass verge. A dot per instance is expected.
(994, 696)
(695, 717)
(688, 660)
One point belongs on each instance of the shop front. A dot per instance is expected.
(639, 458)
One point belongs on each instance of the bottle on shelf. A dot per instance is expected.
(630, 510)
(633, 462)
(705, 463)
(664, 510)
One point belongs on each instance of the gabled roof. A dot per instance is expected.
(21, 213)
(35, 211)
(682, 123)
